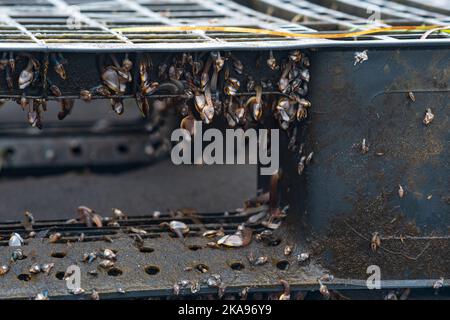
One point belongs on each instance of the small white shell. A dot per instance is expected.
(35, 268)
(41, 296)
(106, 264)
(178, 225)
(429, 117)
(108, 254)
(4, 269)
(401, 191)
(232, 240)
(15, 240)
(261, 261)
(302, 257)
(77, 291)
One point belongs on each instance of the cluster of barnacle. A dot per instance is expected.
(203, 86)
(241, 98)
(114, 80)
(33, 74)
(8, 64)
(207, 85)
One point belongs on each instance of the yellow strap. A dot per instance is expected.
(276, 33)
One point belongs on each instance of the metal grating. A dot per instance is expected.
(441, 6)
(320, 17)
(330, 15)
(60, 24)
(90, 25)
(390, 10)
(70, 232)
(148, 269)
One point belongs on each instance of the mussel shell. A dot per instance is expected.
(25, 79)
(178, 225)
(200, 102)
(208, 113)
(117, 106)
(110, 78)
(232, 240)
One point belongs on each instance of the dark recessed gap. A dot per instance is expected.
(114, 272)
(283, 265)
(151, 236)
(58, 254)
(146, 249)
(76, 150)
(190, 234)
(8, 152)
(147, 236)
(24, 277)
(152, 270)
(60, 275)
(123, 149)
(237, 266)
(194, 247)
